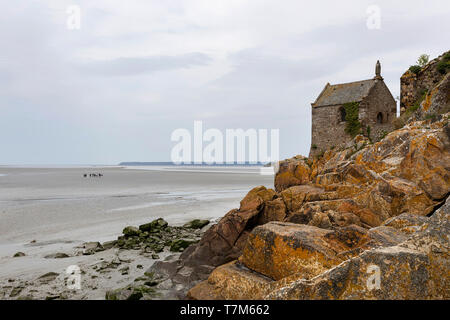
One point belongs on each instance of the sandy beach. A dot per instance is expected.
(55, 210)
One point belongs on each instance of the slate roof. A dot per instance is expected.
(344, 92)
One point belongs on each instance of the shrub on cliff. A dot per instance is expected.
(415, 69)
(443, 66)
(399, 122)
(423, 60)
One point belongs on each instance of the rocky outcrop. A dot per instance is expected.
(19, 254)
(196, 224)
(154, 236)
(297, 171)
(224, 241)
(417, 268)
(390, 263)
(407, 171)
(413, 85)
(335, 222)
(221, 243)
(232, 281)
(436, 101)
(165, 279)
(358, 205)
(280, 249)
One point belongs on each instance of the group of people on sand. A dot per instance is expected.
(97, 175)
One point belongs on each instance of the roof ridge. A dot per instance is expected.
(337, 84)
(344, 92)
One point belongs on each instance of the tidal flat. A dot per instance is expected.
(48, 214)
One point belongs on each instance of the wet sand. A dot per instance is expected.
(49, 210)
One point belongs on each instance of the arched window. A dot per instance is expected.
(379, 117)
(342, 114)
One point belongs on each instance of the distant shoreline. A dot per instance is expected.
(56, 166)
(129, 164)
(245, 164)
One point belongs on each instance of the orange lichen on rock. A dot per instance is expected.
(231, 281)
(314, 221)
(292, 173)
(280, 249)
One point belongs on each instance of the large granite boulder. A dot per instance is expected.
(385, 262)
(418, 268)
(232, 281)
(292, 172)
(221, 243)
(406, 172)
(366, 200)
(280, 249)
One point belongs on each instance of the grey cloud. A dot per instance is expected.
(354, 39)
(254, 69)
(145, 65)
(347, 42)
(58, 108)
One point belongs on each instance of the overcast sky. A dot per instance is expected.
(115, 89)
